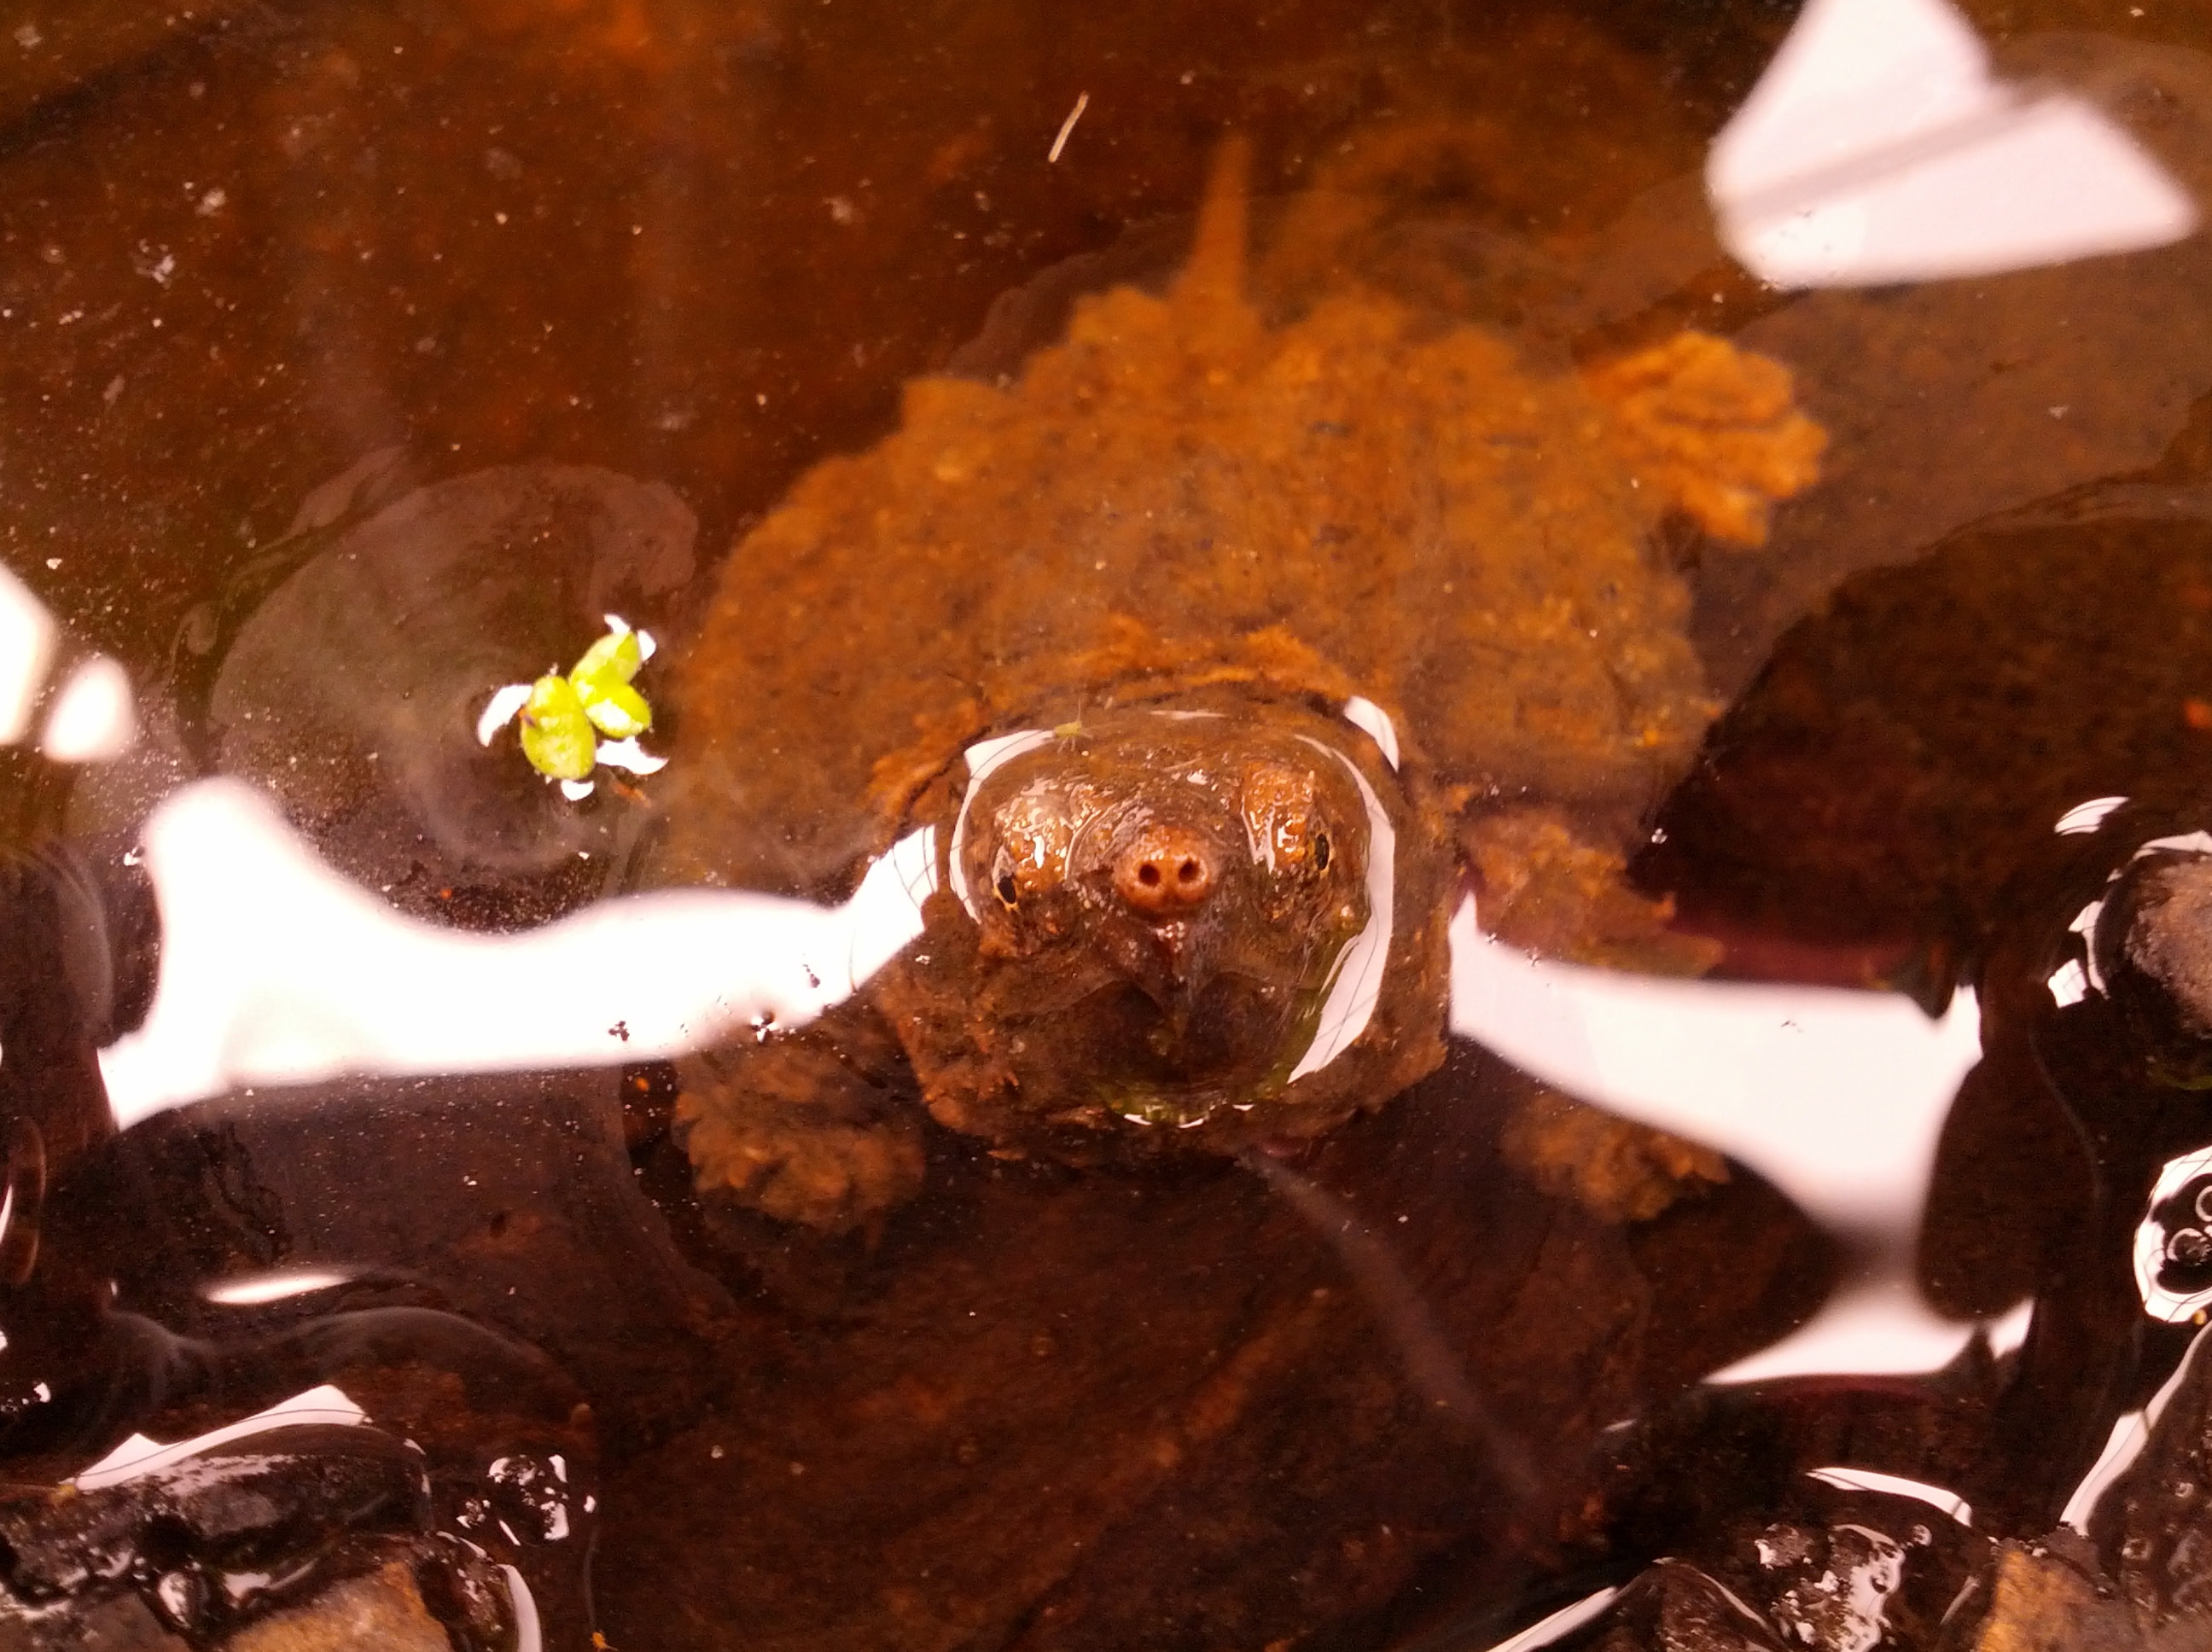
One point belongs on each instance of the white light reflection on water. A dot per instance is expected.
(1836, 1096)
(1561, 1623)
(2085, 817)
(275, 970)
(2155, 1246)
(2129, 1438)
(27, 637)
(2154, 1254)
(90, 714)
(274, 1285)
(93, 718)
(527, 1636)
(1941, 1498)
(1878, 148)
(324, 1406)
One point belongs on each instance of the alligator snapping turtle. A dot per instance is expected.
(1217, 649)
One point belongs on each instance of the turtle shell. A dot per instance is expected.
(1358, 500)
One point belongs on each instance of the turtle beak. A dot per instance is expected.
(1170, 963)
(1169, 880)
(1180, 968)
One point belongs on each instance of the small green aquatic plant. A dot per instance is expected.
(562, 717)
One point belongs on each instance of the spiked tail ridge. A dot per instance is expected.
(1214, 279)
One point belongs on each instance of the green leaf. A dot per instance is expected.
(614, 658)
(619, 709)
(557, 734)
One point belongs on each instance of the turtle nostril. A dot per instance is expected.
(1166, 869)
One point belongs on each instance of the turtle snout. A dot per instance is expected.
(1166, 870)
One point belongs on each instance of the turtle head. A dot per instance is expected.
(1160, 905)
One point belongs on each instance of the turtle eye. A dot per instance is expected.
(1282, 818)
(1021, 856)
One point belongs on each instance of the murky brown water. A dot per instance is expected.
(356, 357)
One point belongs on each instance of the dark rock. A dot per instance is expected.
(121, 1623)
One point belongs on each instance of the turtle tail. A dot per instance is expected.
(1214, 279)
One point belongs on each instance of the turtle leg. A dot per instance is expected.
(1542, 887)
(816, 1127)
(1715, 430)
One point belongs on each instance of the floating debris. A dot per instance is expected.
(1060, 142)
(563, 717)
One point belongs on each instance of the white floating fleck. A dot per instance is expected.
(1067, 127)
(500, 711)
(628, 754)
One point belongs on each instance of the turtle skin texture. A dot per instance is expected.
(1177, 548)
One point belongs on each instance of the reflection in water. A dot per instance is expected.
(2123, 1447)
(86, 715)
(1878, 147)
(1040, 1405)
(391, 1464)
(275, 969)
(1271, 487)
(2119, 1040)
(1778, 1079)
(138, 1456)
(1837, 1096)
(25, 636)
(92, 719)
(1867, 1479)
(2172, 1252)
